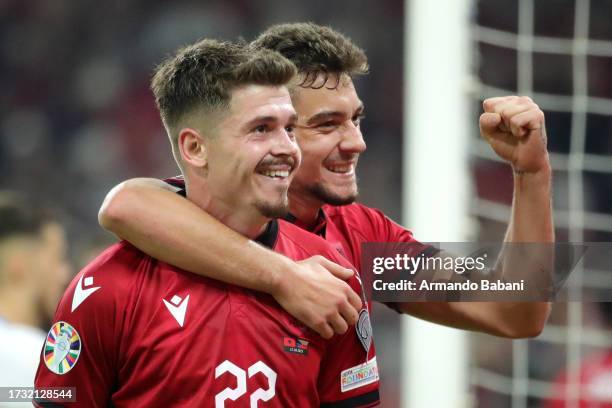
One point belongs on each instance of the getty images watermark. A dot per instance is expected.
(401, 272)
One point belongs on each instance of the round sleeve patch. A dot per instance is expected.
(62, 348)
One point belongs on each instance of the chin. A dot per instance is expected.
(273, 210)
(335, 196)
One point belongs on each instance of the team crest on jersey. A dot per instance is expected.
(62, 348)
(364, 329)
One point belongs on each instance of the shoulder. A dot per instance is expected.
(108, 279)
(299, 244)
(367, 223)
(290, 233)
(118, 262)
(357, 218)
(354, 213)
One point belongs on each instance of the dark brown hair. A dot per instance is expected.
(20, 217)
(315, 50)
(202, 76)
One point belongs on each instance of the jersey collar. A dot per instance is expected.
(318, 228)
(269, 236)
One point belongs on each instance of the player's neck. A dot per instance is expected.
(245, 220)
(305, 209)
(248, 223)
(18, 307)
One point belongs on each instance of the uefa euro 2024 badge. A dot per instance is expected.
(62, 348)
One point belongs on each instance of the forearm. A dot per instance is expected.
(473, 316)
(531, 224)
(174, 230)
(502, 319)
(528, 251)
(531, 217)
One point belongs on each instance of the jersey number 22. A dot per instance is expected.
(234, 393)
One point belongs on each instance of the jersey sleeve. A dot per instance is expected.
(372, 225)
(81, 348)
(397, 233)
(383, 229)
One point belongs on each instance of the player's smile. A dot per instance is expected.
(343, 169)
(278, 172)
(275, 174)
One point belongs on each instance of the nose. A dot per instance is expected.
(352, 140)
(285, 144)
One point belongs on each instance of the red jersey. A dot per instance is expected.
(134, 331)
(347, 227)
(595, 384)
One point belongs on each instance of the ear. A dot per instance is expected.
(192, 148)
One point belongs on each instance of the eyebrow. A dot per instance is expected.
(323, 116)
(268, 119)
(326, 115)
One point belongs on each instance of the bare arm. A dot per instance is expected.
(514, 127)
(149, 214)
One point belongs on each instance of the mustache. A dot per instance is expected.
(343, 158)
(277, 161)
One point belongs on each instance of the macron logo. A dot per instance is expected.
(83, 291)
(177, 307)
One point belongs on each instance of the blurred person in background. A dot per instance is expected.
(323, 194)
(594, 375)
(33, 274)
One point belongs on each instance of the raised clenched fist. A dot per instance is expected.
(514, 127)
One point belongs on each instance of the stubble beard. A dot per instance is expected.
(274, 210)
(329, 197)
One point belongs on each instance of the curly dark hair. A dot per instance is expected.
(315, 50)
(202, 75)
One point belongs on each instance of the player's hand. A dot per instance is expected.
(314, 291)
(514, 127)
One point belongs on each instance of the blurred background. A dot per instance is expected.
(559, 52)
(77, 118)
